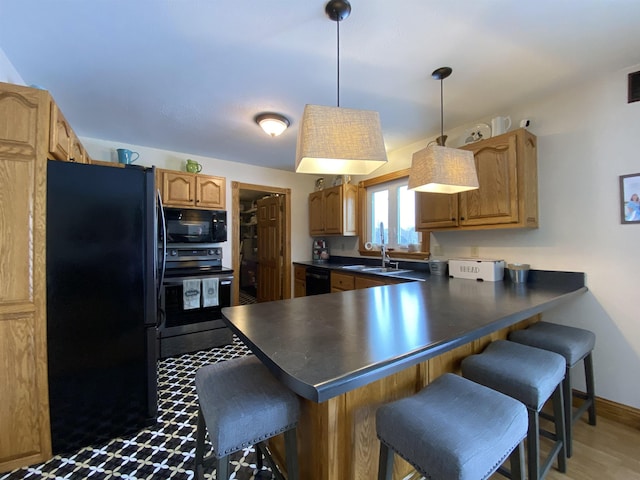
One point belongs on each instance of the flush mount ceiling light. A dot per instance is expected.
(441, 169)
(272, 123)
(336, 140)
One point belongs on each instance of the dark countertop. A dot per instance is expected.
(324, 345)
(419, 271)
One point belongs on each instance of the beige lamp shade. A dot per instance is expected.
(440, 169)
(340, 141)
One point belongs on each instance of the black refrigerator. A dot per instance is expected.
(101, 302)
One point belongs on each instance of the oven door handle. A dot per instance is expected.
(178, 281)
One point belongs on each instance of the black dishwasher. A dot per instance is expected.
(318, 281)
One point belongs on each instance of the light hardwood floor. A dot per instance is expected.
(607, 451)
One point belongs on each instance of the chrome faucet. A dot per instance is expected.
(383, 248)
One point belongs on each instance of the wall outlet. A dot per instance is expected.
(436, 250)
(475, 252)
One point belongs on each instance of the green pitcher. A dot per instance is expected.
(193, 166)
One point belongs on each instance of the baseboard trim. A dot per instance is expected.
(616, 412)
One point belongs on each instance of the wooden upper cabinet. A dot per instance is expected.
(24, 141)
(184, 189)
(63, 143)
(334, 211)
(508, 193)
(210, 192)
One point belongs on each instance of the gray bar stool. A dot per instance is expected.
(453, 429)
(532, 376)
(574, 344)
(241, 404)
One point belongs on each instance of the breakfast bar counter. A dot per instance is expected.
(347, 353)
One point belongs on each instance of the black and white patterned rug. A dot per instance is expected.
(164, 451)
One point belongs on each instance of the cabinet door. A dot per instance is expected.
(77, 152)
(496, 201)
(333, 210)
(210, 192)
(178, 189)
(60, 135)
(349, 210)
(436, 210)
(24, 415)
(316, 213)
(300, 284)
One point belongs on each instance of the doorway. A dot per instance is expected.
(252, 230)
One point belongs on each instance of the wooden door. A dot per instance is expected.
(316, 213)
(270, 244)
(24, 413)
(496, 201)
(210, 192)
(436, 210)
(178, 189)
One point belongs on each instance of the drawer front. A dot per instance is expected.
(300, 273)
(341, 281)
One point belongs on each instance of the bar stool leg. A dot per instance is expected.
(591, 394)
(385, 467)
(533, 445)
(291, 452)
(516, 460)
(568, 411)
(222, 468)
(200, 433)
(561, 435)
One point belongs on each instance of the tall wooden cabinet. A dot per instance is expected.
(333, 211)
(184, 189)
(508, 193)
(24, 406)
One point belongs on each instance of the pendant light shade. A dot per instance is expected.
(340, 141)
(336, 140)
(441, 169)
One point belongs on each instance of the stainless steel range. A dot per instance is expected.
(195, 288)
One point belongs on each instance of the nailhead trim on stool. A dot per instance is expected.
(574, 344)
(532, 376)
(454, 429)
(242, 404)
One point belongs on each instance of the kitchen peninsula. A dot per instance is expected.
(347, 353)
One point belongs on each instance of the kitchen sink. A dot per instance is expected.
(383, 270)
(354, 267)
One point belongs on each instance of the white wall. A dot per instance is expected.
(8, 73)
(299, 184)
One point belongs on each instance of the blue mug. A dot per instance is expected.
(127, 156)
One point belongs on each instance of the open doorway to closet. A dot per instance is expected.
(261, 250)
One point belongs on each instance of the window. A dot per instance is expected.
(392, 205)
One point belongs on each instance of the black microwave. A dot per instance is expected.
(185, 225)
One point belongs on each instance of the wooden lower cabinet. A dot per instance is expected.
(24, 405)
(300, 281)
(337, 438)
(341, 282)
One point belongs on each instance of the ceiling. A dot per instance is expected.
(190, 75)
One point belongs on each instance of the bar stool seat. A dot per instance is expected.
(453, 429)
(532, 376)
(241, 404)
(574, 344)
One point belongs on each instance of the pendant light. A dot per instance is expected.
(440, 169)
(337, 140)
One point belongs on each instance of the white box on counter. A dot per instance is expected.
(477, 269)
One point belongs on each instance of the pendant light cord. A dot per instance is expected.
(441, 112)
(338, 59)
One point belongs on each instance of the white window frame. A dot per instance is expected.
(367, 187)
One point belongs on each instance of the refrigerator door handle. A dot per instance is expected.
(163, 261)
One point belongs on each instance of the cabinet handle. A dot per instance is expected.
(71, 159)
(461, 218)
(191, 199)
(453, 219)
(197, 201)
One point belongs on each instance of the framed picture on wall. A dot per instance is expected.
(630, 198)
